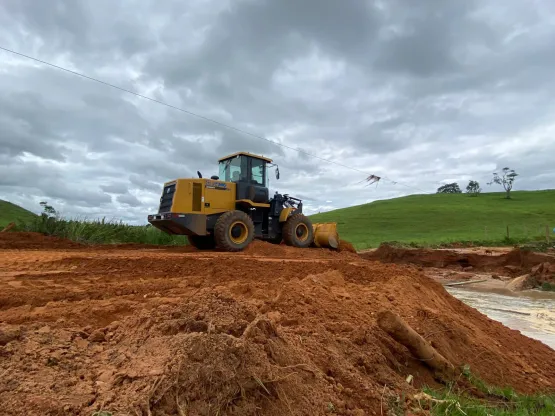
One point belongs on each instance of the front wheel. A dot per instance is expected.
(298, 231)
(234, 231)
(202, 242)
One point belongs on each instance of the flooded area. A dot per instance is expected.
(532, 312)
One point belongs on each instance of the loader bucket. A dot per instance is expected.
(325, 235)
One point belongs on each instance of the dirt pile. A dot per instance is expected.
(30, 241)
(164, 333)
(346, 246)
(265, 249)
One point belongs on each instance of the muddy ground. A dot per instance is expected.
(270, 331)
(512, 269)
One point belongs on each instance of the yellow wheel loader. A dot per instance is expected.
(230, 210)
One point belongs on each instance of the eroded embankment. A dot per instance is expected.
(517, 262)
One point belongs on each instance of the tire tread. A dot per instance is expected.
(221, 230)
(289, 235)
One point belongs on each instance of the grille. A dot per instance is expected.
(197, 195)
(166, 199)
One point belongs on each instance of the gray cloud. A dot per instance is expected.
(418, 95)
(129, 199)
(115, 188)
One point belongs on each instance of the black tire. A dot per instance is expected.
(298, 231)
(234, 231)
(202, 242)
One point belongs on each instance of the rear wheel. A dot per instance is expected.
(202, 242)
(298, 231)
(234, 231)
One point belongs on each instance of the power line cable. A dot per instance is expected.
(219, 123)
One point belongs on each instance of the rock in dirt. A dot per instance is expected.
(97, 336)
(9, 333)
(520, 283)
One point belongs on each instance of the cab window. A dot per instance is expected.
(257, 171)
(233, 170)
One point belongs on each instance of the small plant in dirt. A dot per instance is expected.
(102, 413)
(548, 287)
(473, 188)
(505, 178)
(456, 400)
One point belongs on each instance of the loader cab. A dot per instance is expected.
(249, 172)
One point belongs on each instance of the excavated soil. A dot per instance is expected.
(513, 263)
(270, 331)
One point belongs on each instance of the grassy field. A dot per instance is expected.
(100, 231)
(446, 218)
(12, 213)
(420, 220)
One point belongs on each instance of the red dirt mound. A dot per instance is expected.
(346, 246)
(29, 241)
(263, 248)
(162, 333)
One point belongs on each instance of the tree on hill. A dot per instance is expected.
(450, 188)
(473, 188)
(506, 178)
(47, 210)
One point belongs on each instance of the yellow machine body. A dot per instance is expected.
(202, 196)
(193, 206)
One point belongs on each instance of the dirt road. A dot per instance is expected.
(273, 331)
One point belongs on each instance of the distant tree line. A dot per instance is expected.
(473, 188)
(450, 188)
(506, 178)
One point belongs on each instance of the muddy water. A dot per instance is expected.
(531, 313)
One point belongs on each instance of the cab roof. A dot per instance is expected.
(245, 154)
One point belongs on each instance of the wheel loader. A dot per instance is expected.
(229, 210)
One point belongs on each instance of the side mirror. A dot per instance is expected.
(277, 172)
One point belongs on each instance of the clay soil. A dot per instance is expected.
(500, 264)
(273, 331)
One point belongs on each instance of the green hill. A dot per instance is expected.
(444, 218)
(13, 213)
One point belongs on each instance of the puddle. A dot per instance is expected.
(533, 315)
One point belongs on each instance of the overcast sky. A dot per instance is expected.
(421, 93)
